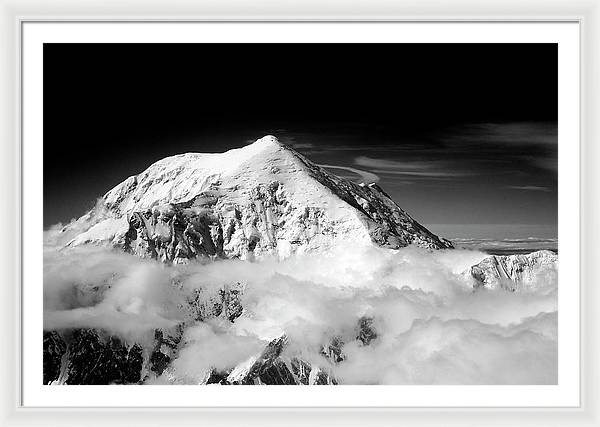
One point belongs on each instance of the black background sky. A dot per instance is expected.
(457, 134)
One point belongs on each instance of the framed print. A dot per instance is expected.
(336, 218)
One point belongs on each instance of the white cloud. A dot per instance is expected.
(415, 168)
(431, 326)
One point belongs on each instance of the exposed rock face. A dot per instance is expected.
(262, 199)
(97, 359)
(54, 350)
(306, 374)
(366, 332)
(333, 351)
(87, 356)
(92, 356)
(515, 272)
(271, 367)
(165, 349)
(225, 304)
(266, 368)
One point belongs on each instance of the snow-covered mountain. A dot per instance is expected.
(516, 272)
(264, 198)
(112, 318)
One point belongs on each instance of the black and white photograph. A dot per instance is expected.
(300, 214)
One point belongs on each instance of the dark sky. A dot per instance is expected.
(456, 134)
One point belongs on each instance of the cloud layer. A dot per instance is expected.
(431, 327)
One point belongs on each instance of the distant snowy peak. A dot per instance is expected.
(516, 272)
(264, 198)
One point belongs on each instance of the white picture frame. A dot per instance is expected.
(15, 14)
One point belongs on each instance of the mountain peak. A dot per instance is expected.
(267, 141)
(263, 198)
(265, 145)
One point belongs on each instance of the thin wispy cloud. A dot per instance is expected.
(529, 188)
(365, 176)
(302, 145)
(525, 143)
(393, 164)
(549, 163)
(425, 174)
(417, 168)
(525, 133)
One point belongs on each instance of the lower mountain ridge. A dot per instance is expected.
(516, 272)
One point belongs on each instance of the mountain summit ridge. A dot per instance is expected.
(264, 198)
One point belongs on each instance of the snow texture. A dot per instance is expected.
(262, 199)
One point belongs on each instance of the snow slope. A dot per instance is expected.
(264, 198)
